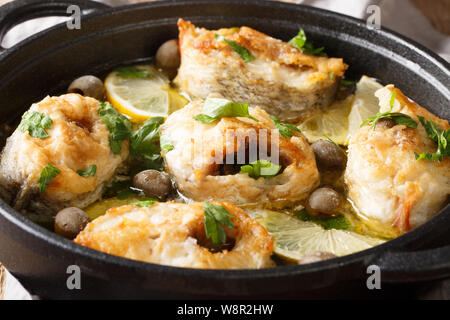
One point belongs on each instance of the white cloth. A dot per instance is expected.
(13, 290)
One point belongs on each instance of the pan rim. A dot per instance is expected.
(56, 241)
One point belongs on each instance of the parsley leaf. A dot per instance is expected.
(47, 175)
(285, 129)
(216, 108)
(35, 123)
(132, 72)
(441, 137)
(167, 147)
(118, 126)
(245, 54)
(399, 118)
(204, 118)
(90, 171)
(147, 202)
(145, 146)
(428, 156)
(300, 42)
(261, 168)
(347, 83)
(216, 217)
(338, 222)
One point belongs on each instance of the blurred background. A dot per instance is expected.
(425, 21)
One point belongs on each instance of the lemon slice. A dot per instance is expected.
(295, 238)
(365, 104)
(145, 97)
(332, 122)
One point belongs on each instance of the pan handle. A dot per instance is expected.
(18, 11)
(402, 267)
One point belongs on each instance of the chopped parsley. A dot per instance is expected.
(286, 130)
(399, 118)
(244, 53)
(309, 49)
(145, 203)
(338, 222)
(132, 72)
(300, 42)
(216, 108)
(35, 123)
(441, 137)
(330, 140)
(347, 83)
(216, 217)
(46, 177)
(90, 171)
(261, 168)
(167, 147)
(145, 146)
(118, 126)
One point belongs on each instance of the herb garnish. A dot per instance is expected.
(261, 168)
(147, 202)
(118, 126)
(300, 42)
(90, 171)
(347, 83)
(216, 108)
(399, 118)
(35, 123)
(145, 146)
(132, 72)
(285, 129)
(441, 137)
(166, 148)
(47, 175)
(216, 217)
(245, 54)
(338, 222)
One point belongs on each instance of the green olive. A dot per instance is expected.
(153, 183)
(89, 86)
(325, 200)
(69, 222)
(168, 57)
(328, 155)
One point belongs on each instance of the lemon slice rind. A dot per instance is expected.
(295, 238)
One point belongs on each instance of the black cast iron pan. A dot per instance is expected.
(46, 63)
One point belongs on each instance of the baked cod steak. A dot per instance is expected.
(207, 158)
(173, 234)
(74, 140)
(384, 179)
(281, 79)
